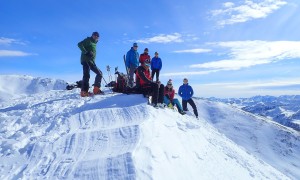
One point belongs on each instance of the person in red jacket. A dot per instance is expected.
(144, 56)
(142, 59)
(147, 87)
(169, 99)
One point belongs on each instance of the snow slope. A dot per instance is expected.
(270, 141)
(55, 134)
(283, 109)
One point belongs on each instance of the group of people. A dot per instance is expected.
(133, 59)
(138, 65)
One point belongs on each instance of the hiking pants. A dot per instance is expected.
(156, 72)
(156, 91)
(192, 103)
(87, 66)
(131, 76)
(174, 102)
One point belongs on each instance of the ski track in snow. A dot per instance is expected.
(58, 135)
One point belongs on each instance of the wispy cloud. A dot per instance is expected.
(162, 38)
(244, 54)
(193, 51)
(187, 73)
(249, 10)
(251, 88)
(9, 41)
(9, 53)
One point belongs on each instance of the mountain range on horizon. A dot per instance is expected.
(283, 109)
(48, 132)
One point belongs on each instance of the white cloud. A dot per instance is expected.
(228, 4)
(162, 38)
(244, 54)
(232, 13)
(188, 73)
(273, 87)
(193, 51)
(9, 53)
(9, 41)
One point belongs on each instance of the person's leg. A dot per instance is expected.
(154, 89)
(98, 77)
(184, 105)
(86, 77)
(152, 74)
(131, 74)
(177, 103)
(192, 103)
(166, 100)
(157, 75)
(161, 93)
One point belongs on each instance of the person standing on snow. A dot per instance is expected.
(156, 66)
(144, 56)
(186, 93)
(132, 62)
(169, 99)
(88, 57)
(148, 87)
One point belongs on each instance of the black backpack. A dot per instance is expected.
(72, 86)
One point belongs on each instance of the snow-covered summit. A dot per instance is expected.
(15, 86)
(59, 135)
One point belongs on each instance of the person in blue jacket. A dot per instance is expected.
(132, 62)
(156, 66)
(186, 93)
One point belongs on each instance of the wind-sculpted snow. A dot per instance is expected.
(57, 134)
(266, 139)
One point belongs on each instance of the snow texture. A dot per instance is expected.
(47, 132)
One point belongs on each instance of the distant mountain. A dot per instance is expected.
(16, 86)
(283, 109)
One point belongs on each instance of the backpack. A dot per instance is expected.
(72, 86)
(121, 85)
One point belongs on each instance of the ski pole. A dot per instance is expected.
(107, 85)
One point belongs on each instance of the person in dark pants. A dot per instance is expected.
(147, 87)
(186, 93)
(88, 56)
(132, 62)
(156, 66)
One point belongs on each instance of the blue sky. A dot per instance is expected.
(225, 48)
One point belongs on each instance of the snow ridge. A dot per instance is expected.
(56, 134)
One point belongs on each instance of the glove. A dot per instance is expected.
(167, 96)
(90, 54)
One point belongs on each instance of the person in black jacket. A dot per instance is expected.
(148, 87)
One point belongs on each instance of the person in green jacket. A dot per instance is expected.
(88, 57)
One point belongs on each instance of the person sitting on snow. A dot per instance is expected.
(186, 93)
(147, 87)
(169, 99)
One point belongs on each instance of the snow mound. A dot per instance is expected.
(16, 86)
(57, 134)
